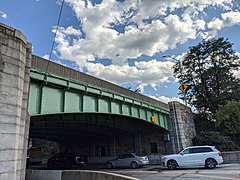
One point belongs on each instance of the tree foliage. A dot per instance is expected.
(207, 69)
(228, 118)
(204, 122)
(223, 143)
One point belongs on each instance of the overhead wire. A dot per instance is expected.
(55, 34)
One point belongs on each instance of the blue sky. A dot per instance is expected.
(123, 41)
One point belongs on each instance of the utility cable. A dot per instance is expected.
(53, 43)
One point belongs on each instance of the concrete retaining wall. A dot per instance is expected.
(73, 175)
(231, 157)
(43, 174)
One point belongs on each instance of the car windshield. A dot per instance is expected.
(180, 151)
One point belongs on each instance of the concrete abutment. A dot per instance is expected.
(15, 63)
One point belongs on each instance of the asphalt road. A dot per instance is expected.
(224, 171)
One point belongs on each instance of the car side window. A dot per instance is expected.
(130, 156)
(208, 149)
(186, 151)
(202, 150)
(122, 156)
(196, 150)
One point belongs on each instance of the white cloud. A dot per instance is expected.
(200, 24)
(147, 28)
(231, 18)
(237, 72)
(3, 15)
(167, 99)
(144, 73)
(103, 41)
(46, 57)
(227, 19)
(70, 31)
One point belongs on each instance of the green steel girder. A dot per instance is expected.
(51, 94)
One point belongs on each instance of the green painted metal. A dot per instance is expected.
(51, 94)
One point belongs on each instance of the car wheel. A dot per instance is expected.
(172, 164)
(109, 165)
(134, 165)
(210, 163)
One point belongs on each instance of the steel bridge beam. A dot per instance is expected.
(51, 94)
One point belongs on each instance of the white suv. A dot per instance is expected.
(207, 156)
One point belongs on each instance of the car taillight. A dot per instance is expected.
(141, 159)
(219, 153)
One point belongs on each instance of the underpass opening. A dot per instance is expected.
(100, 136)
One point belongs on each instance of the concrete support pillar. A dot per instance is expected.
(114, 146)
(138, 144)
(93, 148)
(15, 62)
(182, 125)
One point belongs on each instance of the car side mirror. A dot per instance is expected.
(181, 154)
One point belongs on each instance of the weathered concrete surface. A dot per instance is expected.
(231, 157)
(73, 175)
(182, 126)
(15, 55)
(93, 175)
(43, 174)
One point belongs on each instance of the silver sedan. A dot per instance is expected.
(128, 160)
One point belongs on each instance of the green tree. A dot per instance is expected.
(204, 123)
(228, 118)
(222, 142)
(207, 69)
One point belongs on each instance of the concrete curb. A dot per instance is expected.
(74, 174)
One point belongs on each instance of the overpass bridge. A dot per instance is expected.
(63, 90)
(44, 100)
(67, 104)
